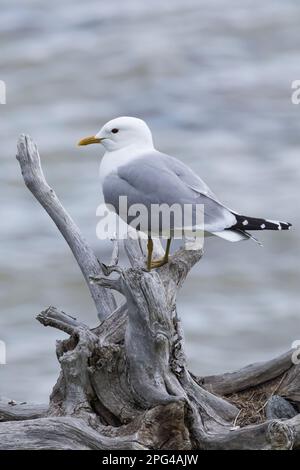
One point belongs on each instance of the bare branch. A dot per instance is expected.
(61, 433)
(34, 179)
(60, 320)
(115, 253)
(113, 284)
(10, 410)
(112, 329)
(249, 376)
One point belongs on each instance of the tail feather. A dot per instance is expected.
(236, 236)
(251, 237)
(253, 223)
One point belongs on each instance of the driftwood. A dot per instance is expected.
(125, 384)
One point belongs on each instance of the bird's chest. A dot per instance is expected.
(112, 161)
(112, 186)
(107, 168)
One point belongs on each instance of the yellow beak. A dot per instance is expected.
(89, 140)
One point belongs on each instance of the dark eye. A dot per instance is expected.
(115, 131)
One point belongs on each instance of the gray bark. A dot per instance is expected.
(250, 376)
(125, 384)
(29, 159)
(10, 410)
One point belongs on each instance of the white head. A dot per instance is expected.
(120, 133)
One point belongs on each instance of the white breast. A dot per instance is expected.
(111, 161)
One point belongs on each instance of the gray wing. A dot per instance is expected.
(156, 178)
(188, 176)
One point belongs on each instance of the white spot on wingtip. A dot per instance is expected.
(262, 226)
(245, 222)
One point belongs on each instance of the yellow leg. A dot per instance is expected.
(150, 251)
(164, 260)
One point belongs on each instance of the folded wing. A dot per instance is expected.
(156, 178)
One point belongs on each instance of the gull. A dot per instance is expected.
(132, 167)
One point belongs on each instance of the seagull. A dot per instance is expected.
(132, 167)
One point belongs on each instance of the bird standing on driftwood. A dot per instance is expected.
(132, 167)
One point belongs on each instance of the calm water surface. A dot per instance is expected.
(213, 80)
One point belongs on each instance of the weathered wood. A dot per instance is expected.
(125, 384)
(290, 385)
(250, 376)
(63, 433)
(29, 159)
(10, 410)
(271, 435)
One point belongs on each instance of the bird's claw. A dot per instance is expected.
(157, 263)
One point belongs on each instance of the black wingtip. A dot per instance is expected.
(285, 226)
(253, 223)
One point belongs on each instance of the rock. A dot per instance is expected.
(279, 408)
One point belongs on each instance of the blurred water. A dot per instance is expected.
(213, 80)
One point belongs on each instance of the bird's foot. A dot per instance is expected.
(157, 263)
